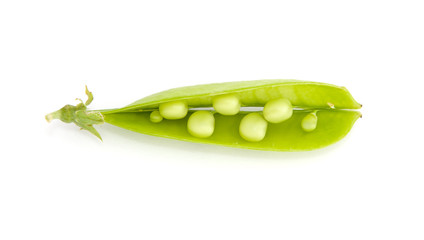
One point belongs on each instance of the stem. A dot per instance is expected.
(79, 115)
(53, 115)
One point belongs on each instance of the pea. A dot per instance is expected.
(253, 127)
(278, 110)
(227, 104)
(156, 117)
(201, 124)
(309, 122)
(173, 110)
(289, 105)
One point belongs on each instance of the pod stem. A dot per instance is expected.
(83, 118)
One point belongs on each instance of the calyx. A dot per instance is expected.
(79, 115)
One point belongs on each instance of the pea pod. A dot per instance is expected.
(274, 115)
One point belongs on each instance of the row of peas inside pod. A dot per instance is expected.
(252, 127)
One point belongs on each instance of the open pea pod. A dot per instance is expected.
(274, 115)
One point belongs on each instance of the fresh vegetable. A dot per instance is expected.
(276, 115)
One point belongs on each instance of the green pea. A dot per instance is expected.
(309, 122)
(253, 127)
(285, 136)
(173, 110)
(278, 110)
(232, 127)
(227, 104)
(156, 117)
(201, 124)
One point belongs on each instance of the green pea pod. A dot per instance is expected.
(332, 107)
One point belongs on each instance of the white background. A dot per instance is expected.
(57, 182)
